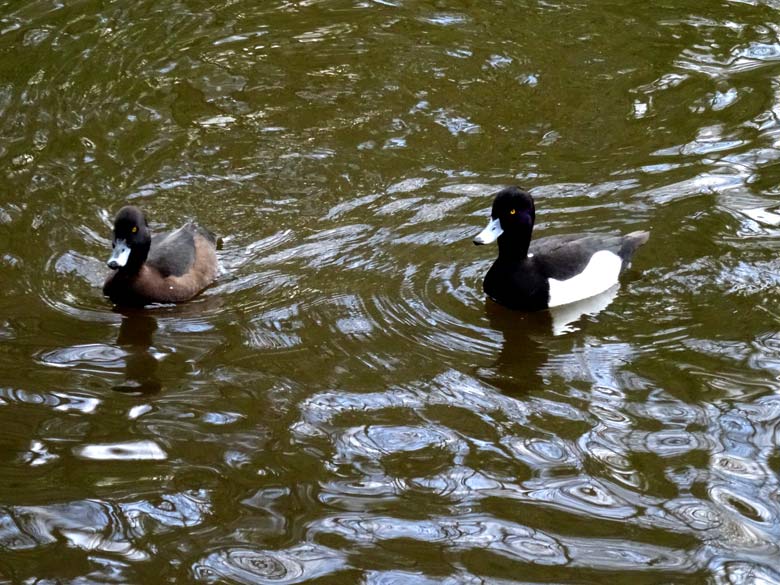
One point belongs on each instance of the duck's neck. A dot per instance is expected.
(513, 246)
(138, 256)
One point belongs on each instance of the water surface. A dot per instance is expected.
(343, 406)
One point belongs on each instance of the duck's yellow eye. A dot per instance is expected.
(513, 212)
(135, 229)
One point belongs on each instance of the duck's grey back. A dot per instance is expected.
(172, 253)
(562, 257)
(630, 243)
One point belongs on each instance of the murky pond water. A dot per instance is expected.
(343, 406)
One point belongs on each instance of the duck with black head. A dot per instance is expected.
(551, 271)
(170, 267)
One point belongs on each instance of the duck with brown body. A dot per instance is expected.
(170, 267)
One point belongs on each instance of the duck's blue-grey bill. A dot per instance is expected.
(120, 255)
(490, 233)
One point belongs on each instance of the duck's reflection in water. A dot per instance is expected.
(565, 316)
(136, 333)
(190, 323)
(523, 352)
(528, 339)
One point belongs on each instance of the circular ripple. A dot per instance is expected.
(379, 440)
(542, 452)
(739, 467)
(741, 505)
(251, 566)
(71, 286)
(94, 354)
(695, 514)
(673, 442)
(508, 539)
(440, 307)
(585, 496)
(743, 573)
(671, 412)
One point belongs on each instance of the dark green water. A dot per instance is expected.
(342, 406)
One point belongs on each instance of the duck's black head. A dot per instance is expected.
(512, 218)
(132, 239)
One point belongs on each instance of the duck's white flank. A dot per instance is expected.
(601, 273)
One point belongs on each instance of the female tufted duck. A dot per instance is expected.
(165, 268)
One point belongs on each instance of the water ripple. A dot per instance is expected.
(294, 565)
(343, 405)
(376, 441)
(129, 451)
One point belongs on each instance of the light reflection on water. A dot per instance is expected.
(343, 405)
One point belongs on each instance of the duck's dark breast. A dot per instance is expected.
(513, 285)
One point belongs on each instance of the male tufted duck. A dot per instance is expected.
(550, 271)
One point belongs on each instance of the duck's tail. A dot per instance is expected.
(629, 245)
(205, 233)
